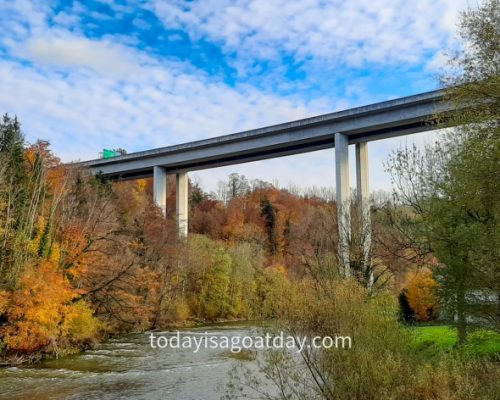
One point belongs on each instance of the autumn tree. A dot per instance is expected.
(449, 191)
(421, 294)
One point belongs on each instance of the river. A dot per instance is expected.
(127, 367)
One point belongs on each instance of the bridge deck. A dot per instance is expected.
(391, 118)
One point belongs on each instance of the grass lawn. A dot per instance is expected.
(434, 339)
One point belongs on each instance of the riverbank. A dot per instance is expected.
(127, 367)
(21, 359)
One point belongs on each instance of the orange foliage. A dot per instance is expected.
(421, 294)
(38, 308)
(4, 301)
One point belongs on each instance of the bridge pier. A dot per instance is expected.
(182, 203)
(383, 120)
(344, 204)
(181, 197)
(343, 201)
(363, 198)
(160, 188)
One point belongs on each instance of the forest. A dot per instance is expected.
(83, 258)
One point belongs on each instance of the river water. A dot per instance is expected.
(127, 367)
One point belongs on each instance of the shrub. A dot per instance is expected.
(79, 324)
(382, 363)
(421, 294)
(177, 310)
(41, 313)
(272, 292)
(406, 312)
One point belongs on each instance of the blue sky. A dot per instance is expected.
(140, 74)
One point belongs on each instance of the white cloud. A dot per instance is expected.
(81, 111)
(31, 15)
(86, 94)
(68, 51)
(351, 32)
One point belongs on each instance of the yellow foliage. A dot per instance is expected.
(177, 310)
(79, 323)
(34, 244)
(141, 185)
(421, 294)
(55, 253)
(279, 267)
(40, 311)
(272, 290)
(4, 301)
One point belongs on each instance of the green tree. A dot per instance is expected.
(14, 196)
(451, 189)
(208, 281)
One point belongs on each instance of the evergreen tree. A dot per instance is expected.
(14, 196)
(269, 214)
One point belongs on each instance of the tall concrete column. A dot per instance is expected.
(160, 188)
(182, 204)
(363, 194)
(343, 201)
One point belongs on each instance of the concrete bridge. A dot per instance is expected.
(356, 126)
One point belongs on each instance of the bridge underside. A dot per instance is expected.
(240, 157)
(363, 124)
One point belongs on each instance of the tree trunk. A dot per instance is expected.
(461, 316)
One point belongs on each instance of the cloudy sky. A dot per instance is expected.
(140, 74)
